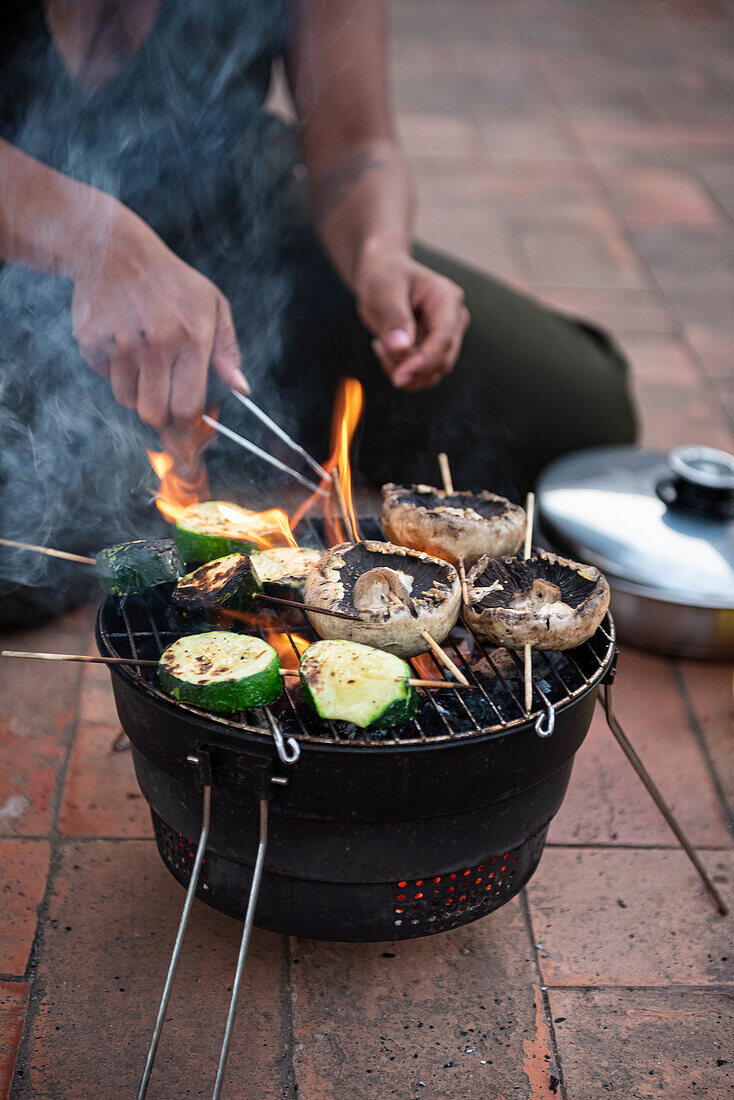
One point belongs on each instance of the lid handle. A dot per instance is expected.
(702, 481)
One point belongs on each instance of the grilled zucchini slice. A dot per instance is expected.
(283, 570)
(216, 528)
(224, 582)
(352, 682)
(132, 567)
(220, 671)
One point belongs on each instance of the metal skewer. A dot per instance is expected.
(223, 430)
(527, 649)
(306, 607)
(281, 434)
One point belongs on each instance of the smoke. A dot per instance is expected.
(179, 136)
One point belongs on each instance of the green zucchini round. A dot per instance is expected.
(204, 532)
(221, 671)
(351, 682)
(132, 567)
(282, 571)
(228, 582)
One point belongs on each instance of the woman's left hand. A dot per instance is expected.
(418, 316)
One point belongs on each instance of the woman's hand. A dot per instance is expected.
(418, 317)
(152, 325)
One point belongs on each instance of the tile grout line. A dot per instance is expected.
(55, 842)
(697, 731)
(525, 905)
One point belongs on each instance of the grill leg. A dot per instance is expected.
(191, 891)
(249, 917)
(660, 802)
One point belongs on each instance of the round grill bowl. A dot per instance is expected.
(368, 841)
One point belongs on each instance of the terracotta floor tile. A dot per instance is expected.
(452, 1015)
(23, 870)
(583, 256)
(657, 195)
(101, 794)
(606, 802)
(686, 258)
(620, 311)
(111, 928)
(37, 711)
(13, 1007)
(645, 1044)
(630, 917)
(439, 135)
(709, 687)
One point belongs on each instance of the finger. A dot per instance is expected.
(154, 387)
(225, 355)
(188, 385)
(124, 382)
(98, 361)
(384, 306)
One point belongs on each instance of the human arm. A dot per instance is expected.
(141, 316)
(362, 192)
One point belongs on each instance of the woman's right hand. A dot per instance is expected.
(152, 325)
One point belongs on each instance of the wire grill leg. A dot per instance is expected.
(660, 802)
(249, 917)
(191, 891)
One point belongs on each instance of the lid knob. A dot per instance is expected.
(703, 480)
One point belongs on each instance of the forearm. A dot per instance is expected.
(49, 221)
(363, 198)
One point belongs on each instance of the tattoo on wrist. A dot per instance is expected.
(337, 183)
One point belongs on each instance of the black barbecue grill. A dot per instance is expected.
(319, 829)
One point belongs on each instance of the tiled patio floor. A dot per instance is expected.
(583, 149)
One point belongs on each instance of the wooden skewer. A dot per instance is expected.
(47, 551)
(306, 607)
(527, 650)
(443, 465)
(445, 659)
(77, 657)
(464, 585)
(411, 680)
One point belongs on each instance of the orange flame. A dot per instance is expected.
(266, 529)
(347, 412)
(175, 494)
(284, 644)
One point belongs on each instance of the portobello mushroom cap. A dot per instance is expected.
(398, 592)
(452, 525)
(546, 601)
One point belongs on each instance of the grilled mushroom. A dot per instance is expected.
(546, 601)
(397, 592)
(452, 525)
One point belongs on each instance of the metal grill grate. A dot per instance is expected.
(143, 627)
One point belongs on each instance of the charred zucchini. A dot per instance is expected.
(355, 683)
(216, 528)
(220, 671)
(132, 567)
(225, 582)
(283, 571)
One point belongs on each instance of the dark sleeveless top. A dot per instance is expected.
(176, 129)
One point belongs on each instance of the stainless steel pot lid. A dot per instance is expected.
(663, 523)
